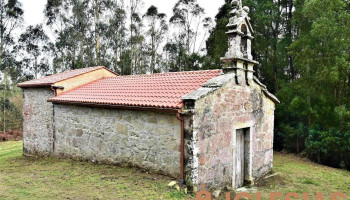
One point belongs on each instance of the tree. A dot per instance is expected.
(187, 16)
(34, 42)
(101, 10)
(11, 17)
(135, 28)
(116, 31)
(157, 28)
(217, 44)
(171, 52)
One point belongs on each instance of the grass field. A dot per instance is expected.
(50, 178)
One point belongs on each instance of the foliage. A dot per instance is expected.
(157, 28)
(303, 47)
(322, 62)
(34, 44)
(217, 44)
(188, 17)
(11, 14)
(11, 106)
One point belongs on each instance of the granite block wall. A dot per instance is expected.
(216, 118)
(37, 121)
(139, 138)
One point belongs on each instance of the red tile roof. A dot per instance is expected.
(150, 91)
(49, 80)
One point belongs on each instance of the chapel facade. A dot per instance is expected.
(211, 127)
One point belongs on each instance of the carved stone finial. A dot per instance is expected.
(240, 34)
(236, 4)
(246, 9)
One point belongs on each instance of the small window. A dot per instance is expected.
(244, 41)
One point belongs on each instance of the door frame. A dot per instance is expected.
(248, 174)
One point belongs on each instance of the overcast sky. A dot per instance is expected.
(33, 9)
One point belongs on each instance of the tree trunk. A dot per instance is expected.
(0, 53)
(290, 32)
(97, 32)
(116, 55)
(4, 92)
(153, 54)
(188, 39)
(131, 39)
(73, 59)
(36, 67)
(298, 145)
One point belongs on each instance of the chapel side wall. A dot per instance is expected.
(37, 121)
(144, 139)
(216, 117)
(263, 146)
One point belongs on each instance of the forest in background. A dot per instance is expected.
(303, 47)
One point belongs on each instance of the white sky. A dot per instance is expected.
(33, 9)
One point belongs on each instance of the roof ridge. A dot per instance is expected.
(80, 86)
(166, 73)
(49, 80)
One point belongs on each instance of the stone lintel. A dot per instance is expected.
(209, 87)
(231, 60)
(248, 36)
(219, 81)
(197, 94)
(234, 32)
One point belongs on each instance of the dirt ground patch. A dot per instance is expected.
(11, 135)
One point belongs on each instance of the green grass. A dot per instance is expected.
(302, 176)
(51, 178)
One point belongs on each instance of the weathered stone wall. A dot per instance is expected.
(145, 139)
(216, 118)
(37, 121)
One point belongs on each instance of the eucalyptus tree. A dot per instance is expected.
(72, 24)
(11, 18)
(57, 19)
(135, 29)
(188, 16)
(103, 11)
(136, 35)
(34, 44)
(157, 28)
(172, 59)
(117, 34)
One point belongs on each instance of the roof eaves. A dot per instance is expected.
(41, 85)
(209, 87)
(124, 107)
(97, 68)
(48, 84)
(266, 92)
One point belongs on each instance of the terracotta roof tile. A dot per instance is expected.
(49, 80)
(155, 91)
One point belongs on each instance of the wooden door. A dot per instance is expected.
(239, 158)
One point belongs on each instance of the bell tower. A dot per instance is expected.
(238, 58)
